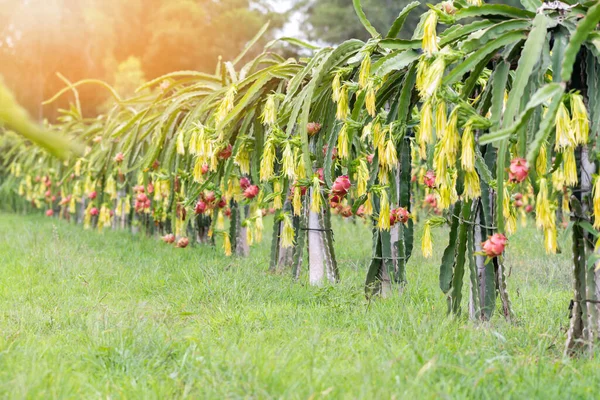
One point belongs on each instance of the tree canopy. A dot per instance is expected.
(334, 21)
(91, 38)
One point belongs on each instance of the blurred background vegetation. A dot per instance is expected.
(126, 42)
(333, 21)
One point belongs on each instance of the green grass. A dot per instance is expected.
(89, 315)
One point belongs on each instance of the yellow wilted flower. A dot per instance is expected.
(343, 143)
(545, 217)
(378, 136)
(444, 195)
(550, 240)
(426, 124)
(440, 119)
(297, 201)
(202, 143)
(467, 156)
(269, 115)
(214, 161)
(194, 143)
(427, 241)
(368, 205)
(300, 166)
(342, 104)
(72, 205)
(78, 167)
(367, 133)
(523, 217)
(242, 159)
(89, 185)
(541, 162)
(277, 202)
(422, 75)
(288, 161)
(430, 42)
(440, 160)
(564, 135)
(384, 174)
(451, 138)
(226, 104)
(336, 87)
(558, 179)
(180, 145)
(198, 170)
(447, 194)
(570, 166)
(111, 187)
(370, 101)
(362, 177)
(267, 161)
(287, 233)
(157, 195)
(249, 233)
(315, 198)
(104, 220)
(101, 218)
(389, 157)
(580, 124)
(119, 208)
(509, 214)
(429, 76)
(511, 223)
(596, 202)
(383, 223)
(165, 188)
(226, 244)
(475, 2)
(506, 203)
(365, 71)
(232, 189)
(87, 217)
(258, 225)
(472, 187)
(220, 221)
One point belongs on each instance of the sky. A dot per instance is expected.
(292, 28)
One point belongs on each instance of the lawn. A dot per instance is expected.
(111, 315)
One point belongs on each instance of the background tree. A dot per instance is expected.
(91, 38)
(334, 21)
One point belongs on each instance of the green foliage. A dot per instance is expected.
(15, 117)
(334, 21)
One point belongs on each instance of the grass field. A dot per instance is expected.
(89, 315)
